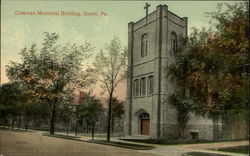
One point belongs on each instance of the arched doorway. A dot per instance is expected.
(145, 124)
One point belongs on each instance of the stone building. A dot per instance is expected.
(152, 45)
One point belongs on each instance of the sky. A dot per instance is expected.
(18, 31)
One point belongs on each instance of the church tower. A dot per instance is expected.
(152, 45)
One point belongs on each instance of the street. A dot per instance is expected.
(34, 144)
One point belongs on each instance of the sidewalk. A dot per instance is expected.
(174, 150)
(179, 150)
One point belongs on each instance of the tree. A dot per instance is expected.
(39, 112)
(15, 104)
(183, 108)
(90, 109)
(110, 67)
(29, 110)
(65, 113)
(51, 72)
(211, 66)
(10, 102)
(117, 111)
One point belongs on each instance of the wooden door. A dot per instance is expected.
(145, 126)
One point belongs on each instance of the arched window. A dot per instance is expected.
(173, 42)
(144, 45)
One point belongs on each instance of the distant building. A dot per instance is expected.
(101, 122)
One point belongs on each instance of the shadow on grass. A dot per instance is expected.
(61, 136)
(236, 149)
(168, 142)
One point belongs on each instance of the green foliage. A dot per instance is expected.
(117, 108)
(9, 94)
(65, 111)
(183, 107)
(90, 108)
(53, 70)
(14, 103)
(212, 63)
(10, 100)
(49, 75)
(110, 65)
(117, 111)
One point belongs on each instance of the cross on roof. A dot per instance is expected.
(146, 8)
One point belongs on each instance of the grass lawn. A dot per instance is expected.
(168, 142)
(237, 149)
(176, 141)
(202, 154)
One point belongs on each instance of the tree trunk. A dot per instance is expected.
(216, 128)
(93, 130)
(112, 124)
(4, 122)
(76, 129)
(52, 121)
(76, 120)
(180, 137)
(19, 121)
(27, 122)
(67, 126)
(109, 116)
(8, 122)
(12, 124)
(87, 126)
(182, 130)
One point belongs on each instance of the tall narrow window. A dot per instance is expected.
(136, 88)
(143, 86)
(173, 42)
(150, 85)
(144, 45)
